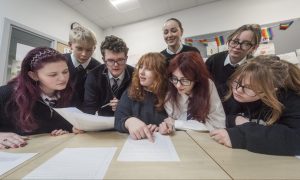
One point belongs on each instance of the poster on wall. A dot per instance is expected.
(212, 48)
(289, 57)
(223, 48)
(265, 49)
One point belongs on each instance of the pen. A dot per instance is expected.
(105, 105)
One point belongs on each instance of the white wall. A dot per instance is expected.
(225, 15)
(50, 17)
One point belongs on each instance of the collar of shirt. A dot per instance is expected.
(55, 98)
(227, 61)
(178, 50)
(121, 77)
(76, 63)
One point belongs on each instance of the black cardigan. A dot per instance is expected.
(280, 138)
(185, 48)
(143, 110)
(98, 90)
(47, 119)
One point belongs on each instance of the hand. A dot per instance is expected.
(221, 136)
(12, 140)
(152, 127)
(138, 129)
(58, 132)
(77, 131)
(167, 126)
(114, 103)
(239, 120)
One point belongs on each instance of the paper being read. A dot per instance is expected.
(9, 161)
(75, 163)
(143, 150)
(84, 121)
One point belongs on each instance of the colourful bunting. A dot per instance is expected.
(219, 40)
(285, 25)
(267, 33)
(203, 41)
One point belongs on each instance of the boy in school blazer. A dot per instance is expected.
(82, 43)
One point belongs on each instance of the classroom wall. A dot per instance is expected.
(50, 17)
(223, 15)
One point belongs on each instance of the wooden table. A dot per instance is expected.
(194, 162)
(242, 164)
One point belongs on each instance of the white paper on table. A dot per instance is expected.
(190, 125)
(289, 57)
(75, 163)
(143, 150)
(84, 121)
(298, 157)
(9, 161)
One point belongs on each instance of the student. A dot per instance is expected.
(82, 43)
(172, 32)
(241, 44)
(141, 109)
(26, 102)
(191, 95)
(106, 83)
(269, 117)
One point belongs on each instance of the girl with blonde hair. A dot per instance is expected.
(268, 118)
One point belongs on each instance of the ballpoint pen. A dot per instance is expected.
(105, 105)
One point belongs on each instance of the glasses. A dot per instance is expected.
(112, 62)
(236, 85)
(245, 45)
(183, 82)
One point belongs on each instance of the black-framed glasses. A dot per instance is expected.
(245, 45)
(112, 62)
(236, 85)
(183, 82)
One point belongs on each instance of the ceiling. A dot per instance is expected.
(102, 13)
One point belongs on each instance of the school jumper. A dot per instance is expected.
(98, 91)
(143, 110)
(46, 118)
(280, 138)
(78, 78)
(220, 75)
(185, 48)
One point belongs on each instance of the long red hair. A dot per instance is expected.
(193, 68)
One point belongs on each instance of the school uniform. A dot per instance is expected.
(143, 110)
(46, 118)
(280, 138)
(78, 76)
(183, 48)
(221, 69)
(98, 89)
(215, 118)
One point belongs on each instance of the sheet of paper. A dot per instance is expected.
(265, 49)
(10, 160)
(22, 51)
(190, 125)
(75, 163)
(84, 121)
(143, 150)
(298, 157)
